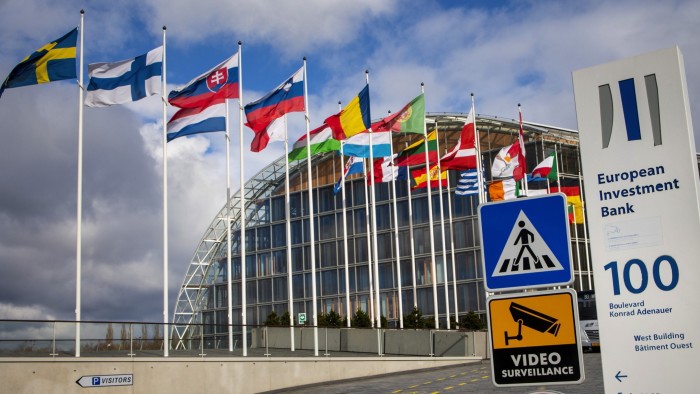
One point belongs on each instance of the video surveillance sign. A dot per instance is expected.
(535, 338)
(526, 243)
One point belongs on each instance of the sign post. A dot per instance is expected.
(534, 338)
(641, 176)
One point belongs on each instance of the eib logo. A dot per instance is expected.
(628, 97)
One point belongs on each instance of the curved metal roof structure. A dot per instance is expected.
(495, 132)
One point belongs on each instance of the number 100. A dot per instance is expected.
(641, 268)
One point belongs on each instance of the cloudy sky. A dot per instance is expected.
(505, 52)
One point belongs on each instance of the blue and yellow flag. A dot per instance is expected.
(54, 61)
(353, 119)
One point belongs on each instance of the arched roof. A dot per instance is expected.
(494, 133)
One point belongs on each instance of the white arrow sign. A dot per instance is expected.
(106, 380)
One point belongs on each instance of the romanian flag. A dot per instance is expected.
(421, 179)
(410, 119)
(414, 154)
(353, 119)
(54, 61)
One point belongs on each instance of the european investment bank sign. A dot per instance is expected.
(641, 177)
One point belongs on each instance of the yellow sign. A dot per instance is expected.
(532, 319)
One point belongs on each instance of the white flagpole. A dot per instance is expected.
(79, 219)
(521, 138)
(345, 239)
(413, 246)
(578, 250)
(229, 282)
(166, 342)
(375, 252)
(452, 250)
(314, 307)
(442, 228)
(433, 270)
(396, 233)
(479, 164)
(244, 290)
(288, 225)
(369, 246)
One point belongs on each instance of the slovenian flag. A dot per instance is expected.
(287, 97)
(212, 87)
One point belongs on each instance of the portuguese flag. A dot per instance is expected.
(410, 119)
(414, 154)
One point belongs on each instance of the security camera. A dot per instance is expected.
(532, 319)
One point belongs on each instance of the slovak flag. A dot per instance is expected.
(212, 87)
(261, 114)
(202, 101)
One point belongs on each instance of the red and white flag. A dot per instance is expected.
(463, 155)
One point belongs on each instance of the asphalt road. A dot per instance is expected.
(468, 378)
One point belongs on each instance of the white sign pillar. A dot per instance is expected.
(641, 184)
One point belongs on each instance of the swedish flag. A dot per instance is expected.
(54, 61)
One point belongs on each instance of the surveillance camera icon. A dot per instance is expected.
(531, 318)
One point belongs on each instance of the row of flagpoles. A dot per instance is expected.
(203, 107)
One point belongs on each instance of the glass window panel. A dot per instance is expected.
(265, 290)
(297, 234)
(278, 208)
(279, 235)
(297, 259)
(329, 282)
(361, 250)
(280, 261)
(327, 230)
(295, 205)
(250, 265)
(280, 289)
(263, 238)
(328, 254)
(360, 219)
(385, 249)
(264, 264)
(362, 278)
(386, 276)
(383, 213)
(298, 286)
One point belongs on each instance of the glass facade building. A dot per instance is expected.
(405, 281)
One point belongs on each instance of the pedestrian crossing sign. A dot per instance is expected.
(526, 243)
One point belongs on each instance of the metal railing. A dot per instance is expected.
(56, 338)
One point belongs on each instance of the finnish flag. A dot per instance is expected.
(125, 81)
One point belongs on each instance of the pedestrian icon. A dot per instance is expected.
(526, 243)
(525, 251)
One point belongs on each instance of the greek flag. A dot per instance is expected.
(125, 81)
(468, 183)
